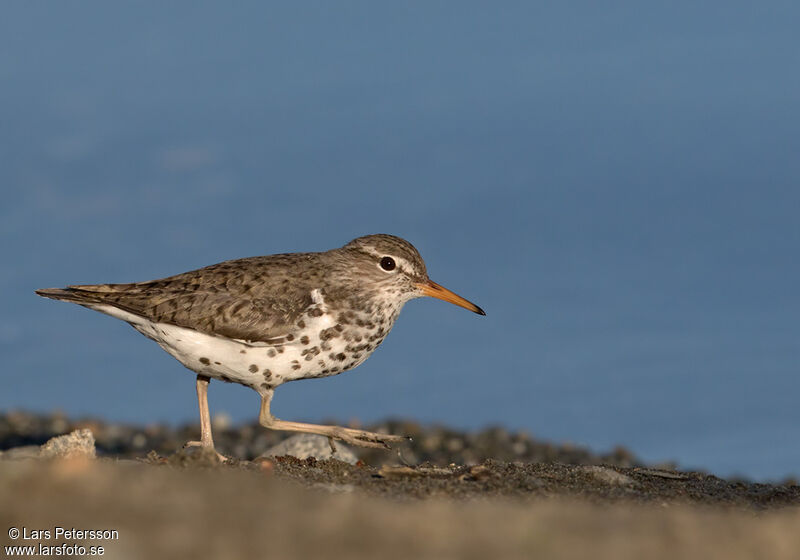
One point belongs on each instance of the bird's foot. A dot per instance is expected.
(220, 456)
(352, 436)
(364, 439)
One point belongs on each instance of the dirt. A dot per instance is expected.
(493, 479)
(188, 505)
(181, 507)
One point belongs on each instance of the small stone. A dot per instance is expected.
(608, 476)
(19, 453)
(221, 421)
(519, 447)
(389, 471)
(79, 443)
(265, 465)
(197, 457)
(139, 441)
(304, 446)
(59, 423)
(658, 473)
(478, 472)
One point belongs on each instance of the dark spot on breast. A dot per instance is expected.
(343, 318)
(205, 361)
(357, 356)
(266, 386)
(253, 368)
(296, 366)
(267, 374)
(218, 363)
(271, 352)
(304, 339)
(327, 334)
(290, 337)
(301, 324)
(280, 349)
(242, 352)
(316, 312)
(339, 328)
(340, 357)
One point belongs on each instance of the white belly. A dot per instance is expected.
(260, 366)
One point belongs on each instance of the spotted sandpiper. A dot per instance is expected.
(263, 321)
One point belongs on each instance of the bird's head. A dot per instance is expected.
(391, 268)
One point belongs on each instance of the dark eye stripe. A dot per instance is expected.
(387, 264)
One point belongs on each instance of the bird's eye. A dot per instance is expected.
(387, 264)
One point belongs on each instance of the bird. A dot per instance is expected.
(264, 321)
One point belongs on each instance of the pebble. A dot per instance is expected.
(304, 446)
(22, 452)
(435, 444)
(608, 476)
(79, 443)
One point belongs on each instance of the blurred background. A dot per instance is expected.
(617, 184)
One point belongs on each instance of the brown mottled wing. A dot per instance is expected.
(258, 299)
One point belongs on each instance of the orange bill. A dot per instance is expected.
(432, 289)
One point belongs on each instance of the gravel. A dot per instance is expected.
(434, 444)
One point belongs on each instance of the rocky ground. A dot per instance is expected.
(434, 444)
(446, 494)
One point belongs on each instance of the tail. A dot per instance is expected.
(105, 298)
(78, 294)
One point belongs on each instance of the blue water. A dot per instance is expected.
(618, 185)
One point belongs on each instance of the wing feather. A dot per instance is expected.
(255, 299)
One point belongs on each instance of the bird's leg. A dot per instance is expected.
(206, 439)
(347, 435)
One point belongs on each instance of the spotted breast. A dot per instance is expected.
(321, 343)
